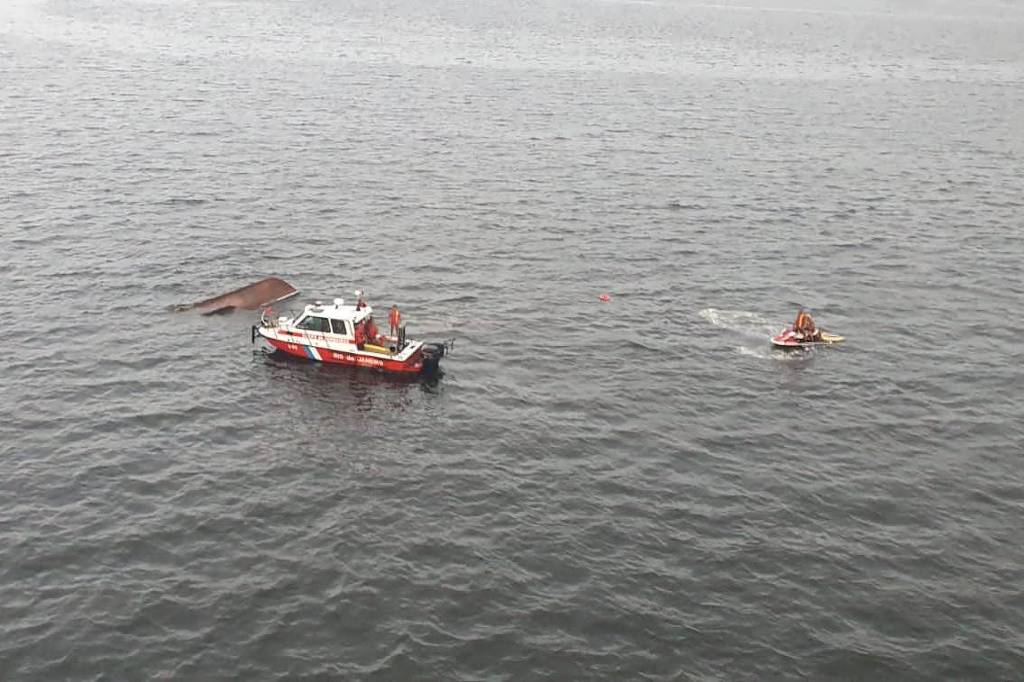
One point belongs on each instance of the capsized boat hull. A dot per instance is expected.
(250, 297)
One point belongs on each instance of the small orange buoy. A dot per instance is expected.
(605, 297)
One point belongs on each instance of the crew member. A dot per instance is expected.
(394, 320)
(371, 331)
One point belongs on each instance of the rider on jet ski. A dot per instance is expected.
(804, 327)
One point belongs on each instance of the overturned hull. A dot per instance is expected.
(250, 297)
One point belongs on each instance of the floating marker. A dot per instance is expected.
(605, 297)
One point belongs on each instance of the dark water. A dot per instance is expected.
(638, 489)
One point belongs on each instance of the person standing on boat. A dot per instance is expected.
(371, 331)
(394, 320)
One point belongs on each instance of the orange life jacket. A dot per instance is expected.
(394, 318)
(803, 322)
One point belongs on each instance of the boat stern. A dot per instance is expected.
(432, 354)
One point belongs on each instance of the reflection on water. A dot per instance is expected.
(352, 388)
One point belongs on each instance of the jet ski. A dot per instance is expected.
(790, 338)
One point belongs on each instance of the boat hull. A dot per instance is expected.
(414, 364)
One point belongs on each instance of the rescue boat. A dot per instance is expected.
(347, 335)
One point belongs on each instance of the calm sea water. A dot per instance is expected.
(638, 489)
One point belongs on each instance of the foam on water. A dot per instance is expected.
(741, 322)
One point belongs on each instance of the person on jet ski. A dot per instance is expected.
(804, 327)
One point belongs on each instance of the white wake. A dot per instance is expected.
(742, 322)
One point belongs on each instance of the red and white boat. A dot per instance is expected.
(347, 335)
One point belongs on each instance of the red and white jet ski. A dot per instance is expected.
(790, 338)
(346, 335)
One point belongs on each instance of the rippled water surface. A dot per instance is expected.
(638, 489)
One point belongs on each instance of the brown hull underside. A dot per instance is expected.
(250, 297)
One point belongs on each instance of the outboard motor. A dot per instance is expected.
(433, 352)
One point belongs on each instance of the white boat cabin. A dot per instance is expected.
(337, 318)
(343, 328)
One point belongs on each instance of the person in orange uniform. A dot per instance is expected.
(371, 331)
(394, 320)
(804, 326)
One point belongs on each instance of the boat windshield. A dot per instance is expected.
(339, 327)
(315, 324)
